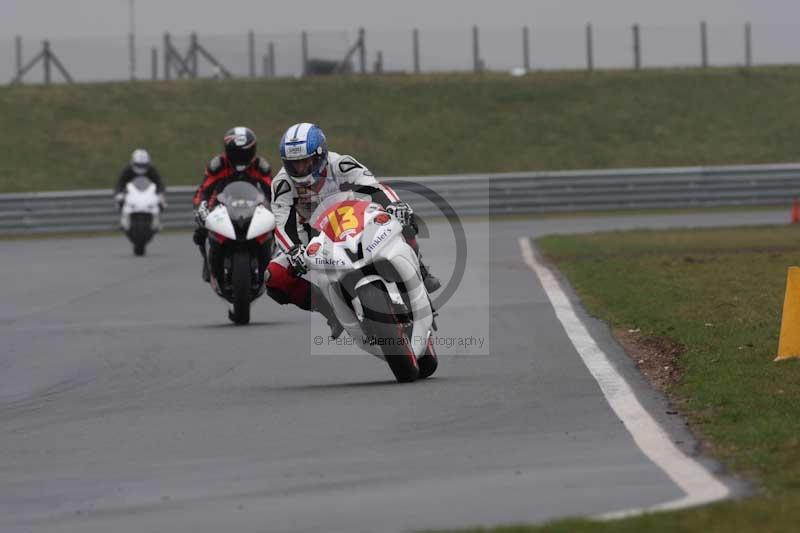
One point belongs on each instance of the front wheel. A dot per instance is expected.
(240, 278)
(382, 325)
(428, 363)
(140, 232)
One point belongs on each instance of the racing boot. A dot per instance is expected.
(320, 304)
(206, 273)
(199, 238)
(432, 283)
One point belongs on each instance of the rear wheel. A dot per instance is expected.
(240, 278)
(381, 323)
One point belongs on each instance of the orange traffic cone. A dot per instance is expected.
(789, 343)
(795, 211)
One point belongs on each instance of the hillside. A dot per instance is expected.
(68, 137)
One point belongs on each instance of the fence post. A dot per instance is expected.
(193, 46)
(379, 63)
(704, 43)
(132, 54)
(46, 50)
(526, 49)
(637, 48)
(748, 45)
(415, 41)
(167, 56)
(18, 50)
(154, 63)
(476, 50)
(304, 47)
(271, 59)
(362, 57)
(251, 49)
(589, 48)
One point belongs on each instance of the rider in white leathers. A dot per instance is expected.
(311, 173)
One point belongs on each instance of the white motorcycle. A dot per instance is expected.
(371, 277)
(240, 230)
(140, 213)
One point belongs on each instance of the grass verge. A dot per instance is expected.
(79, 136)
(719, 294)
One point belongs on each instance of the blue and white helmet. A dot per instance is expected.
(304, 152)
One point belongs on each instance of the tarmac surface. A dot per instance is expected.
(128, 403)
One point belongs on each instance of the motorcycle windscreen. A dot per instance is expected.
(241, 199)
(141, 183)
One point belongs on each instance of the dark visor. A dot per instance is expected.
(301, 168)
(242, 156)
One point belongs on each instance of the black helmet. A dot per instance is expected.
(240, 147)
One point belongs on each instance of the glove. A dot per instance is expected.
(402, 212)
(201, 213)
(297, 259)
(162, 201)
(119, 199)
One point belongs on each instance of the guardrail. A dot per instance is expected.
(479, 194)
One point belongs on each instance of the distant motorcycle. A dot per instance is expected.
(238, 227)
(371, 277)
(140, 213)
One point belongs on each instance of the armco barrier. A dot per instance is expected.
(513, 193)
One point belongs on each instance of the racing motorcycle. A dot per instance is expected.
(140, 213)
(238, 228)
(371, 277)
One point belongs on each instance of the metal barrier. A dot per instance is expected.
(468, 195)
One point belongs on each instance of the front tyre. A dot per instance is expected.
(240, 278)
(140, 232)
(381, 323)
(428, 363)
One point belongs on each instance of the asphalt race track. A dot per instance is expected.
(129, 404)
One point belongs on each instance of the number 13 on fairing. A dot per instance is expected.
(343, 219)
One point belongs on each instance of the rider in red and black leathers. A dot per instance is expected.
(220, 172)
(238, 162)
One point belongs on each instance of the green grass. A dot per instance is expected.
(720, 294)
(66, 137)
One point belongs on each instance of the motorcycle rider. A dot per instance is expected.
(238, 162)
(311, 173)
(139, 165)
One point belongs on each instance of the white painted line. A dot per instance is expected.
(693, 478)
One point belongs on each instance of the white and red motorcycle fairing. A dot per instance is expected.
(359, 254)
(239, 227)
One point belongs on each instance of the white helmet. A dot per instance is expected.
(140, 161)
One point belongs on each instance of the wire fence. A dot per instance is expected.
(255, 54)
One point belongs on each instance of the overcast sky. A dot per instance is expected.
(73, 18)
